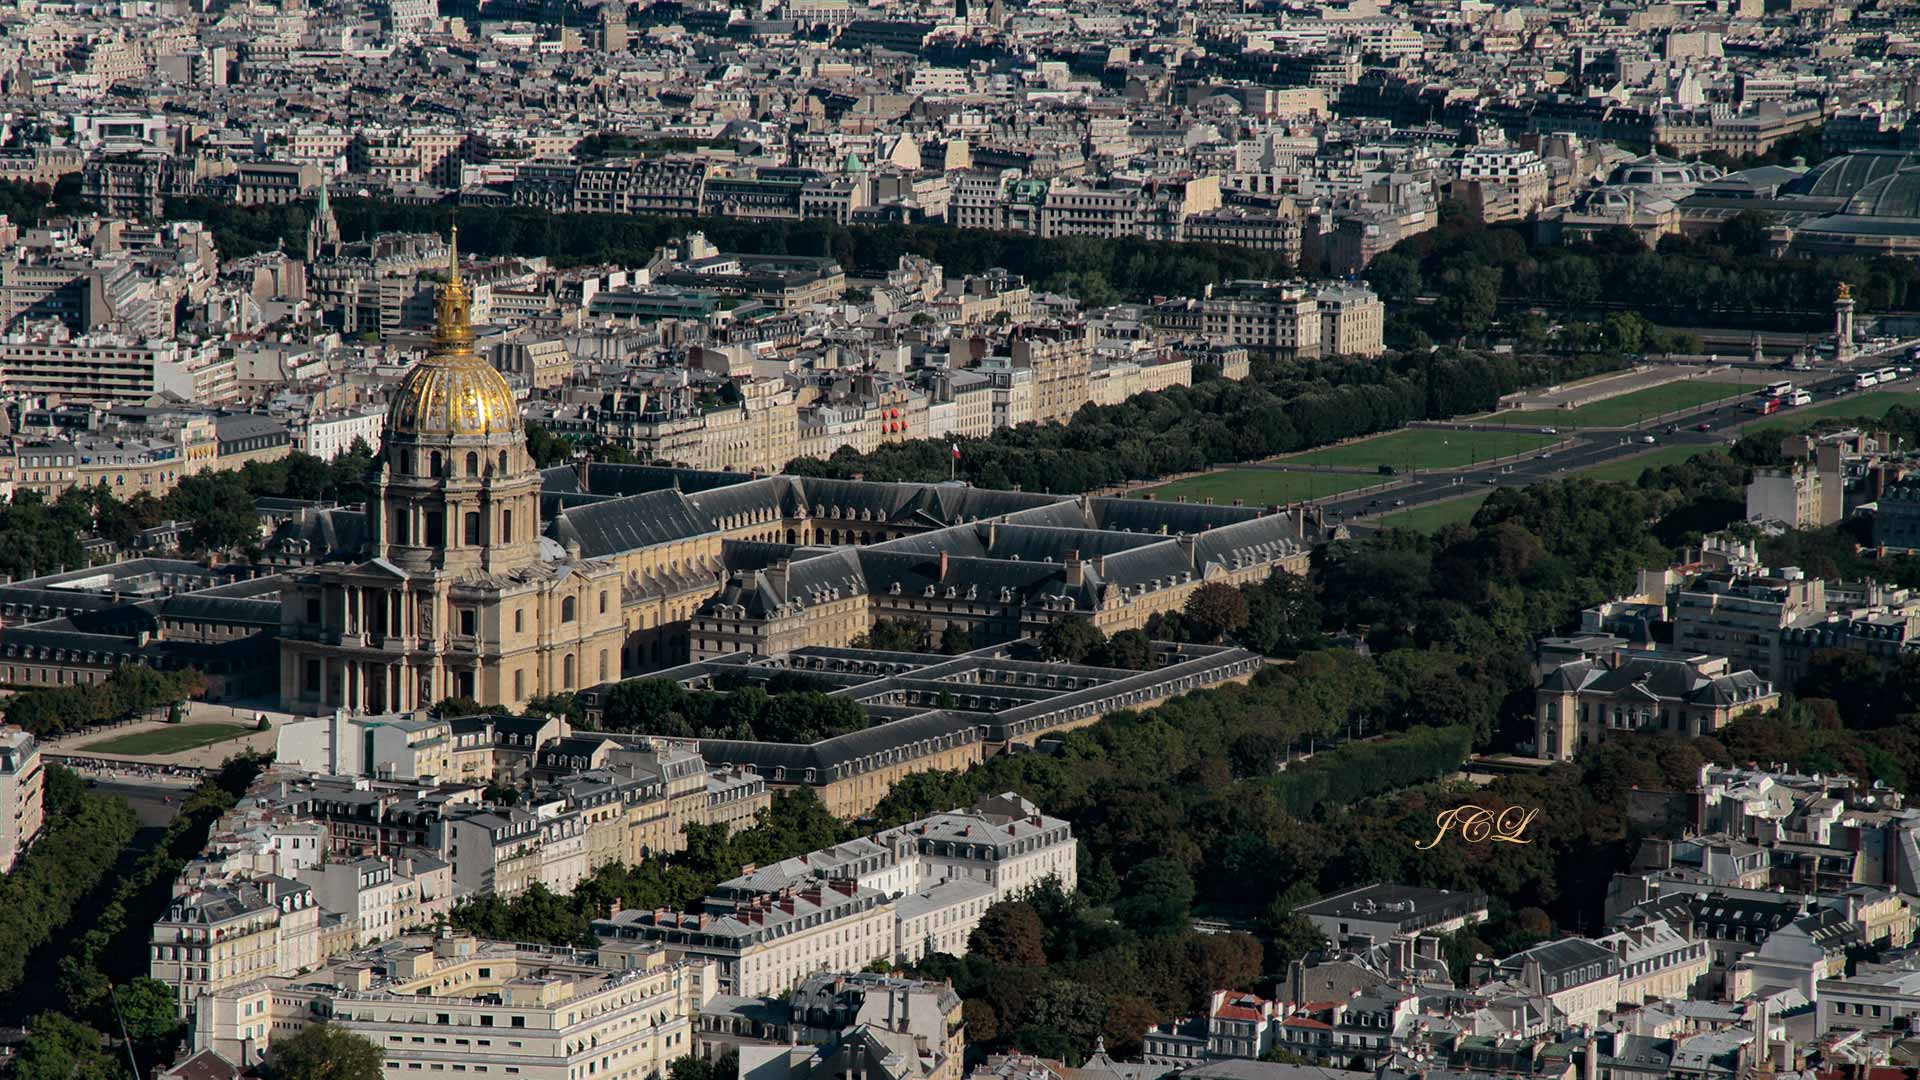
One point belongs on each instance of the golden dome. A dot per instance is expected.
(454, 391)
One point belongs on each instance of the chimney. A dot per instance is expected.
(583, 472)
(1076, 570)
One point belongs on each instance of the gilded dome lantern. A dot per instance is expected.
(454, 392)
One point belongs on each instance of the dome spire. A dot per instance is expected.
(453, 313)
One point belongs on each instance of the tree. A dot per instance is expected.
(726, 1066)
(1216, 609)
(894, 635)
(1010, 933)
(1283, 615)
(955, 640)
(150, 1010)
(455, 706)
(324, 1052)
(1072, 640)
(1159, 897)
(61, 1048)
(1130, 649)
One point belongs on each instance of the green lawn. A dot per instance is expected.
(1435, 515)
(1425, 448)
(1628, 470)
(1629, 409)
(1261, 487)
(167, 740)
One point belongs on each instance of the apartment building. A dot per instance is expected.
(1353, 321)
(1280, 319)
(1796, 496)
(451, 1003)
(925, 885)
(1061, 359)
(1503, 183)
(1002, 841)
(22, 794)
(328, 435)
(766, 945)
(1578, 977)
(218, 937)
(110, 369)
(1657, 961)
(373, 898)
(1741, 616)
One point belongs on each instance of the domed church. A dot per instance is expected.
(452, 591)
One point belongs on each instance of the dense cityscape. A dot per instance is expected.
(925, 540)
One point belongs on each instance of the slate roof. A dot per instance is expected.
(607, 528)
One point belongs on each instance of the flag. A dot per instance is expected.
(956, 451)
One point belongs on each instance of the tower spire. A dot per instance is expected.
(453, 313)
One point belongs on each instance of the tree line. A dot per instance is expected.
(1099, 271)
(91, 954)
(751, 713)
(39, 535)
(1451, 279)
(127, 691)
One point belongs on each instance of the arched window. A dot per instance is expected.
(566, 609)
(436, 529)
(434, 464)
(566, 678)
(506, 526)
(603, 601)
(473, 463)
(503, 461)
(399, 529)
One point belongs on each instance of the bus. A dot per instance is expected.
(1866, 380)
(1767, 406)
(1799, 398)
(1779, 389)
(1885, 375)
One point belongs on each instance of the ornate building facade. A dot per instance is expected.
(452, 592)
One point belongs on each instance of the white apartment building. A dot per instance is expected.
(219, 937)
(375, 897)
(329, 435)
(108, 369)
(22, 786)
(898, 896)
(1657, 961)
(767, 945)
(1003, 841)
(456, 1004)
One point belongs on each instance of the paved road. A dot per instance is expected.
(155, 804)
(1592, 448)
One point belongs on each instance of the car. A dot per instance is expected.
(1546, 455)
(1549, 431)
(1491, 480)
(1703, 427)
(1399, 502)
(1648, 439)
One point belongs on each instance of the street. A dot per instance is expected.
(1597, 447)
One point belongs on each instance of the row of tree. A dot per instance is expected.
(1097, 270)
(82, 838)
(126, 692)
(39, 536)
(1461, 271)
(664, 707)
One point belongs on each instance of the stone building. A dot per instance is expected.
(452, 592)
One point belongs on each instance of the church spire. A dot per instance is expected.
(453, 313)
(323, 232)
